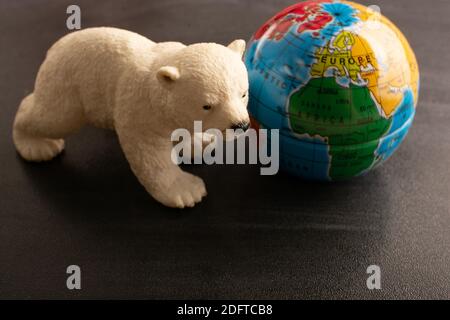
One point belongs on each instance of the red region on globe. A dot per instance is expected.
(308, 14)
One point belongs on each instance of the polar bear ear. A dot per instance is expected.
(237, 46)
(168, 74)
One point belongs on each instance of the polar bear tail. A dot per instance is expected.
(31, 143)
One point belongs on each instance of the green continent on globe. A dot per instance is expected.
(346, 118)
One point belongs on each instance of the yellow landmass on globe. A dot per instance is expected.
(338, 56)
(372, 56)
(385, 82)
(401, 64)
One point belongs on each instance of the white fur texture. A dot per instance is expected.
(117, 79)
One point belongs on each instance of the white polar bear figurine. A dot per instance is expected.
(112, 78)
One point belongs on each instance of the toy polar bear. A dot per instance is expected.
(117, 79)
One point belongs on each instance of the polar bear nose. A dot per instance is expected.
(241, 125)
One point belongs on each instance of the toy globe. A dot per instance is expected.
(339, 81)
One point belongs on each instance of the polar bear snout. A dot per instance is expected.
(243, 125)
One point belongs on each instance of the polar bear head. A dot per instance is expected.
(207, 82)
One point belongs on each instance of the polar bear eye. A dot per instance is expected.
(245, 94)
(207, 107)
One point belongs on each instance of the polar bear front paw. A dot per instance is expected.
(36, 148)
(186, 191)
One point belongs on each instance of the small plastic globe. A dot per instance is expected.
(341, 83)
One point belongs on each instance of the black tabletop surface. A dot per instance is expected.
(254, 236)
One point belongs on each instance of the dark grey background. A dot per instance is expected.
(253, 237)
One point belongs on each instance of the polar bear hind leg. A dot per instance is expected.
(38, 130)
